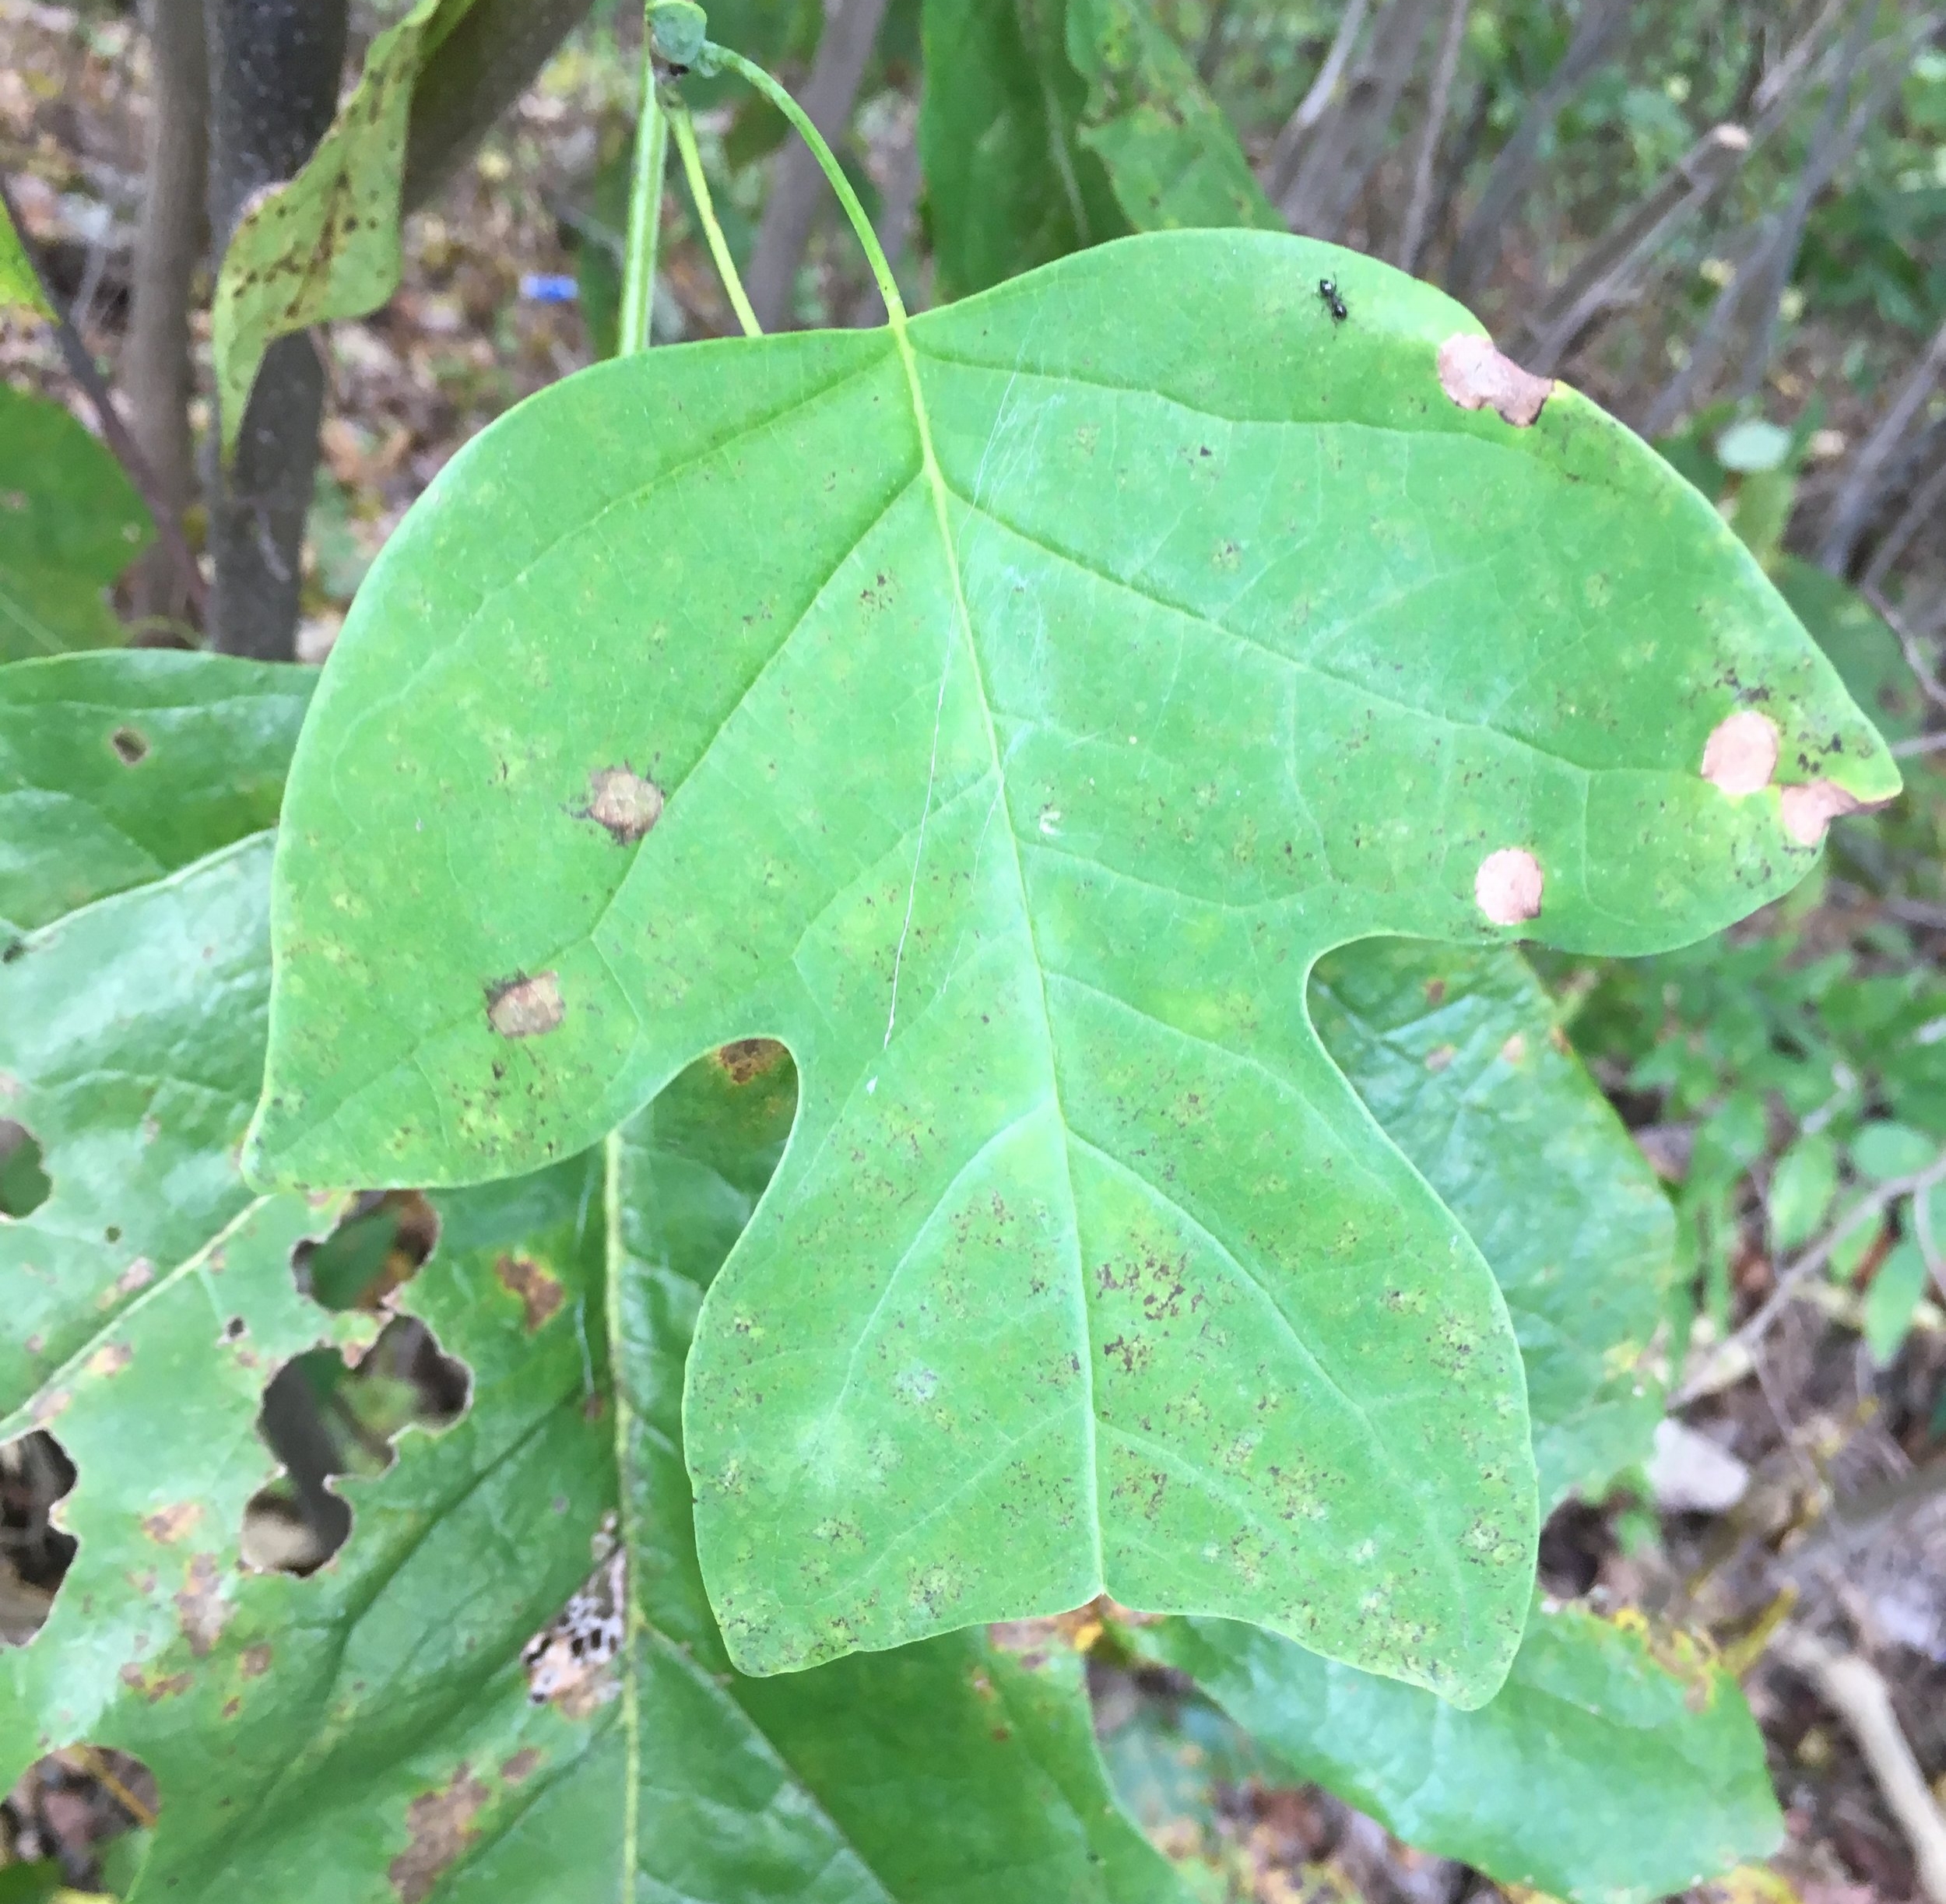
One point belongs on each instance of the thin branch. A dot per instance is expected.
(1610, 271)
(1281, 167)
(1741, 1345)
(1478, 249)
(1210, 54)
(1928, 504)
(1412, 240)
(1929, 684)
(1856, 1692)
(83, 369)
(851, 26)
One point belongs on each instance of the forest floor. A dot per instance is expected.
(1835, 1506)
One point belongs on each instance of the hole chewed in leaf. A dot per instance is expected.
(323, 1419)
(1809, 810)
(131, 748)
(1477, 377)
(524, 1007)
(624, 802)
(1508, 886)
(35, 1552)
(440, 1825)
(24, 1184)
(1740, 754)
(749, 1058)
(571, 1661)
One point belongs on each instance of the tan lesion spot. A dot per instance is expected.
(538, 1289)
(110, 1359)
(749, 1058)
(168, 1525)
(1809, 810)
(1508, 885)
(1740, 754)
(1477, 377)
(624, 803)
(201, 1606)
(439, 1826)
(521, 1006)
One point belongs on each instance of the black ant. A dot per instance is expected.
(1328, 290)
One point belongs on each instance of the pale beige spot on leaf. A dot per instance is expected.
(1477, 377)
(624, 802)
(1808, 810)
(169, 1524)
(439, 1825)
(522, 1007)
(1740, 754)
(1508, 886)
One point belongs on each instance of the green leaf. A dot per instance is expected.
(1753, 447)
(1455, 1054)
(375, 1725)
(1861, 644)
(326, 244)
(1617, 1765)
(117, 769)
(1085, 684)
(1047, 125)
(20, 288)
(1801, 1189)
(1896, 1287)
(1883, 1149)
(70, 523)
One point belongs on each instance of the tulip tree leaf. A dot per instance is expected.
(1005, 713)
(1047, 125)
(1617, 1765)
(326, 244)
(117, 769)
(1455, 1054)
(70, 523)
(372, 1730)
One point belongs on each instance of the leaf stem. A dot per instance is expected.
(706, 210)
(614, 1261)
(645, 213)
(780, 97)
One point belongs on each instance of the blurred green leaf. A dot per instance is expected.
(1801, 1187)
(1618, 1764)
(1883, 1149)
(1861, 644)
(19, 289)
(1752, 446)
(70, 523)
(1896, 1287)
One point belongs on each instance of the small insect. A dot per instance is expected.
(1328, 290)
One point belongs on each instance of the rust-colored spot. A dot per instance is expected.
(168, 1525)
(110, 1359)
(539, 1290)
(1508, 886)
(439, 1825)
(231, 1707)
(749, 1058)
(524, 1007)
(255, 1662)
(154, 1690)
(131, 748)
(624, 802)
(1740, 754)
(1477, 377)
(1435, 991)
(201, 1606)
(1440, 1056)
(522, 1765)
(1808, 810)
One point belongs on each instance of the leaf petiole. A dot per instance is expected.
(644, 214)
(780, 97)
(685, 127)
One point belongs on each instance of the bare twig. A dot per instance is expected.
(1856, 499)
(83, 369)
(1338, 160)
(1281, 167)
(1740, 1346)
(1210, 54)
(1908, 645)
(1856, 1692)
(157, 378)
(1611, 270)
(1927, 503)
(1412, 240)
(797, 185)
(1478, 249)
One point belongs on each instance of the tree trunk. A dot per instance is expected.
(156, 374)
(274, 68)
